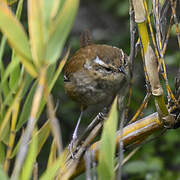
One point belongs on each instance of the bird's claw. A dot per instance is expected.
(72, 147)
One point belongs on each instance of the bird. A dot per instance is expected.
(94, 75)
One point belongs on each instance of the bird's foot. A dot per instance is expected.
(72, 147)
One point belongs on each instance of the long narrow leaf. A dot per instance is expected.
(52, 154)
(4, 88)
(28, 102)
(9, 98)
(107, 145)
(42, 135)
(51, 172)
(36, 30)
(14, 32)
(52, 81)
(6, 102)
(52, 77)
(26, 107)
(6, 120)
(2, 152)
(17, 37)
(9, 70)
(30, 159)
(49, 12)
(15, 75)
(60, 29)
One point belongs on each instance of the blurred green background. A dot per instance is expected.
(108, 22)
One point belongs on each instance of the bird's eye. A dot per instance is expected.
(125, 62)
(108, 69)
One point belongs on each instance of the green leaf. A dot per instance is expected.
(6, 120)
(107, 145)
(49, 12)
(14, 77)
(19, 9)
(3, 175)
(14, 32)
(15, 150)
(52, 154)
(28, 102)
(2, 153)
(35, 22)
(26, 107)
(51, 78)
(27, 84)
(30, 158)
(7, 101)
(15, 74)
(4, 88)
(9, 70)
(60, 29)
(51, 172)
(17, 37)
(9, 98)
(42, 135)
(6, 133)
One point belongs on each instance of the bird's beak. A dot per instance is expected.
(121, 69)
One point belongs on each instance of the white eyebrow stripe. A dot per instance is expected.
(99, 61)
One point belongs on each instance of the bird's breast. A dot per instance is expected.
(86, 90)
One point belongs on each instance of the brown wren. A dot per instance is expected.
(95, 74)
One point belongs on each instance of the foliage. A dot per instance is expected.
(28, 78)
(107, 150)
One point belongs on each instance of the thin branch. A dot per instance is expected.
(141, 108)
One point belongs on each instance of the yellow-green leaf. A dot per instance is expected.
(2, 152)
(52, 77)
(15, 75)
(36, 30)
(51, 172)
(14, 32)
(6, 119)
(26, 107)
(9, 70)
(107, 145)
(3, 175)
(49, 12)
(30, 158)
(17, 37)
(5, 87)
(60, 28)
(42, 135)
